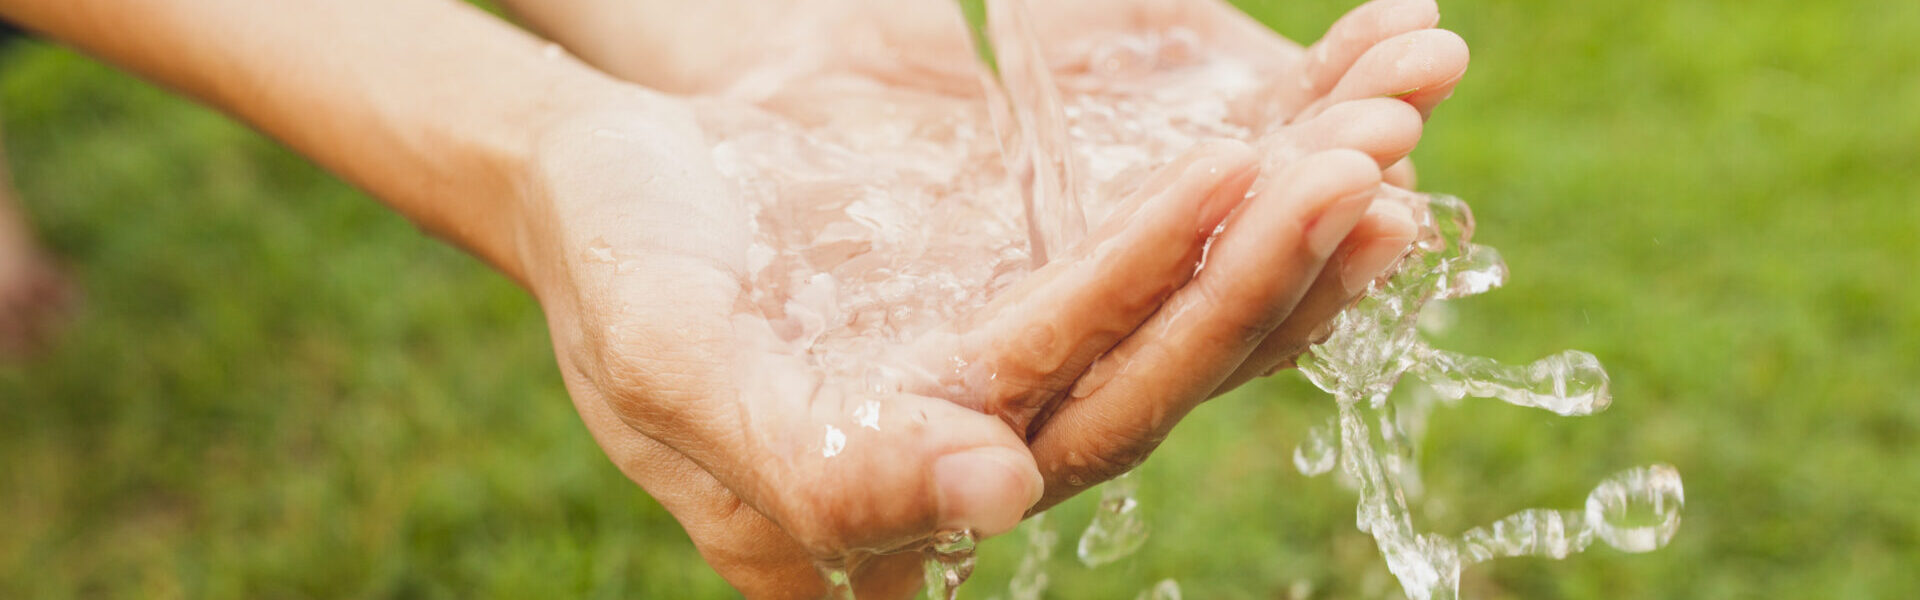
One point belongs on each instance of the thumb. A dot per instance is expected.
(863, 471)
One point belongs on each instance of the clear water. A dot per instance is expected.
(1377, 342)
(881, 213)
(1118, 529)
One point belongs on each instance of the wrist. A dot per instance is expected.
(582, 161)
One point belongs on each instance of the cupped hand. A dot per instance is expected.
(638, 247)
(1128, 350)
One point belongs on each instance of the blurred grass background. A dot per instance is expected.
(277, 389)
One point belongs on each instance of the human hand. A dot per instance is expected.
(1367, 85)
(636, 249)
(648, 251)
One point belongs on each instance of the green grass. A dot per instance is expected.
(277, 389)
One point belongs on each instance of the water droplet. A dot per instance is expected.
(1637, 510)
(1030, 579)
(1318, 452)
(868, 414)
(1117, 529)
(600, 251)
(552, 51)
(1479, 270)
(834, 442)
(949, 563)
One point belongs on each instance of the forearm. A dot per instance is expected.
(430, 105)
(672, 45)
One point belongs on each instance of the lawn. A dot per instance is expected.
(277, 389)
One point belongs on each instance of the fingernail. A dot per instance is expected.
(1336, 221)
(986, 490)
(1369, 261)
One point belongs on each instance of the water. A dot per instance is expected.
(880, 214)
(1030, 579)
(949, 563)
(1030, 123)
(1317, 454)
(1118, 529)
(1376, 342)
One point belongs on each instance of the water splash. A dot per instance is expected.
(1030, 579)
(833, 442)
(1376, 342)
(1637, 510)
(865, 237)
(949, 563)
(1117, 529)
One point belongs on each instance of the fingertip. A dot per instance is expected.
(1423, 64)
(1401, 174)
(1450, 56)
(986, 490)
(1343, 181)
(1356, 32)
(1409, 15)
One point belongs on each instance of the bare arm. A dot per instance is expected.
(430, 105)
(670, 45)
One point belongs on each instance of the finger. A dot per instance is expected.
(747, 549)
(836, 475)
(844, 469)
(838, 468)
(657, 319)
(1256, 271)
(1328, 60)
(1358, 31)
(1026, 347)
(1383, 128)
(1419, 67)
(1402, 175)
(1375, 244)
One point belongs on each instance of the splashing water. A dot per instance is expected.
(1375, 342)
(1117, 530)
(1030, 578)
(878, 216)
(949, 563)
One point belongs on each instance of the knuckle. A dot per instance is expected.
(1079, 470)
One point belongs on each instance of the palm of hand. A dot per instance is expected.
(693, 390)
